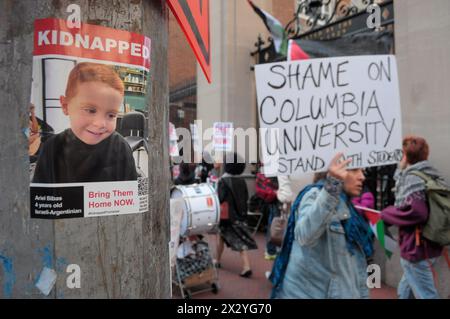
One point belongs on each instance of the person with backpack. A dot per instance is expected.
(411, 213)
(327, 241)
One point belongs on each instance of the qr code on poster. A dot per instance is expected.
(142, 186)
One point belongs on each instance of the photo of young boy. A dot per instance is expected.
(90, 150)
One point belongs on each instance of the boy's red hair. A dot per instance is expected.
(92, 72)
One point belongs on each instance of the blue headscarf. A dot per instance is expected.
(357, 234)
(357, 230)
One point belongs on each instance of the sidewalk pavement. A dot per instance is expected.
(232, 286)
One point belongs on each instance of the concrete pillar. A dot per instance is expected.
(422, 30)
(119, 256)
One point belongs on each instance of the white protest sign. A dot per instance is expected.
(196, 141)
(173, 138)
(223, 136)
(194, 131)
(312, 109)
(172, 132)
(173, 149)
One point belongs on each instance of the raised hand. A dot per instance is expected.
(338, 169)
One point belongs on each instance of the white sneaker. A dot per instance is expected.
(267, 273)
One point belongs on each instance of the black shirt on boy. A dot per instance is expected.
(66, 159)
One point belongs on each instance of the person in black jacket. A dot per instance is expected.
(233, 231)
(186, 176)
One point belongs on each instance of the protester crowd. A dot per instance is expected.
(317, 228)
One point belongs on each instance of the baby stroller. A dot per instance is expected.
(194, 269)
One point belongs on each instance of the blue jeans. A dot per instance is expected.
(417, 280)
(271, 249)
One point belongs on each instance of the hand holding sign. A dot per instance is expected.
(338, 169)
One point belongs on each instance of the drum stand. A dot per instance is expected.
(204, 281)
(260, 217)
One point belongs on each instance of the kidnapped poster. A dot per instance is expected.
(88, 117)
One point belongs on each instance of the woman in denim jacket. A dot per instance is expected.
(331, 241)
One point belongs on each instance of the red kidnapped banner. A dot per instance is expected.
(52, 36)
(193, 17)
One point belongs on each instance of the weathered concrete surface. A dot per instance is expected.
(422, 47)
(119, 257)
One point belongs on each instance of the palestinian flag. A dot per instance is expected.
(295, 52)
(275, 28)
(388, 243)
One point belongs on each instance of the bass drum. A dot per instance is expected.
(201, 212)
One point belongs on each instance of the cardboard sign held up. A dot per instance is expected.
(223, 136)
(310, 110)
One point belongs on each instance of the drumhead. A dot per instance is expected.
(201, 211)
